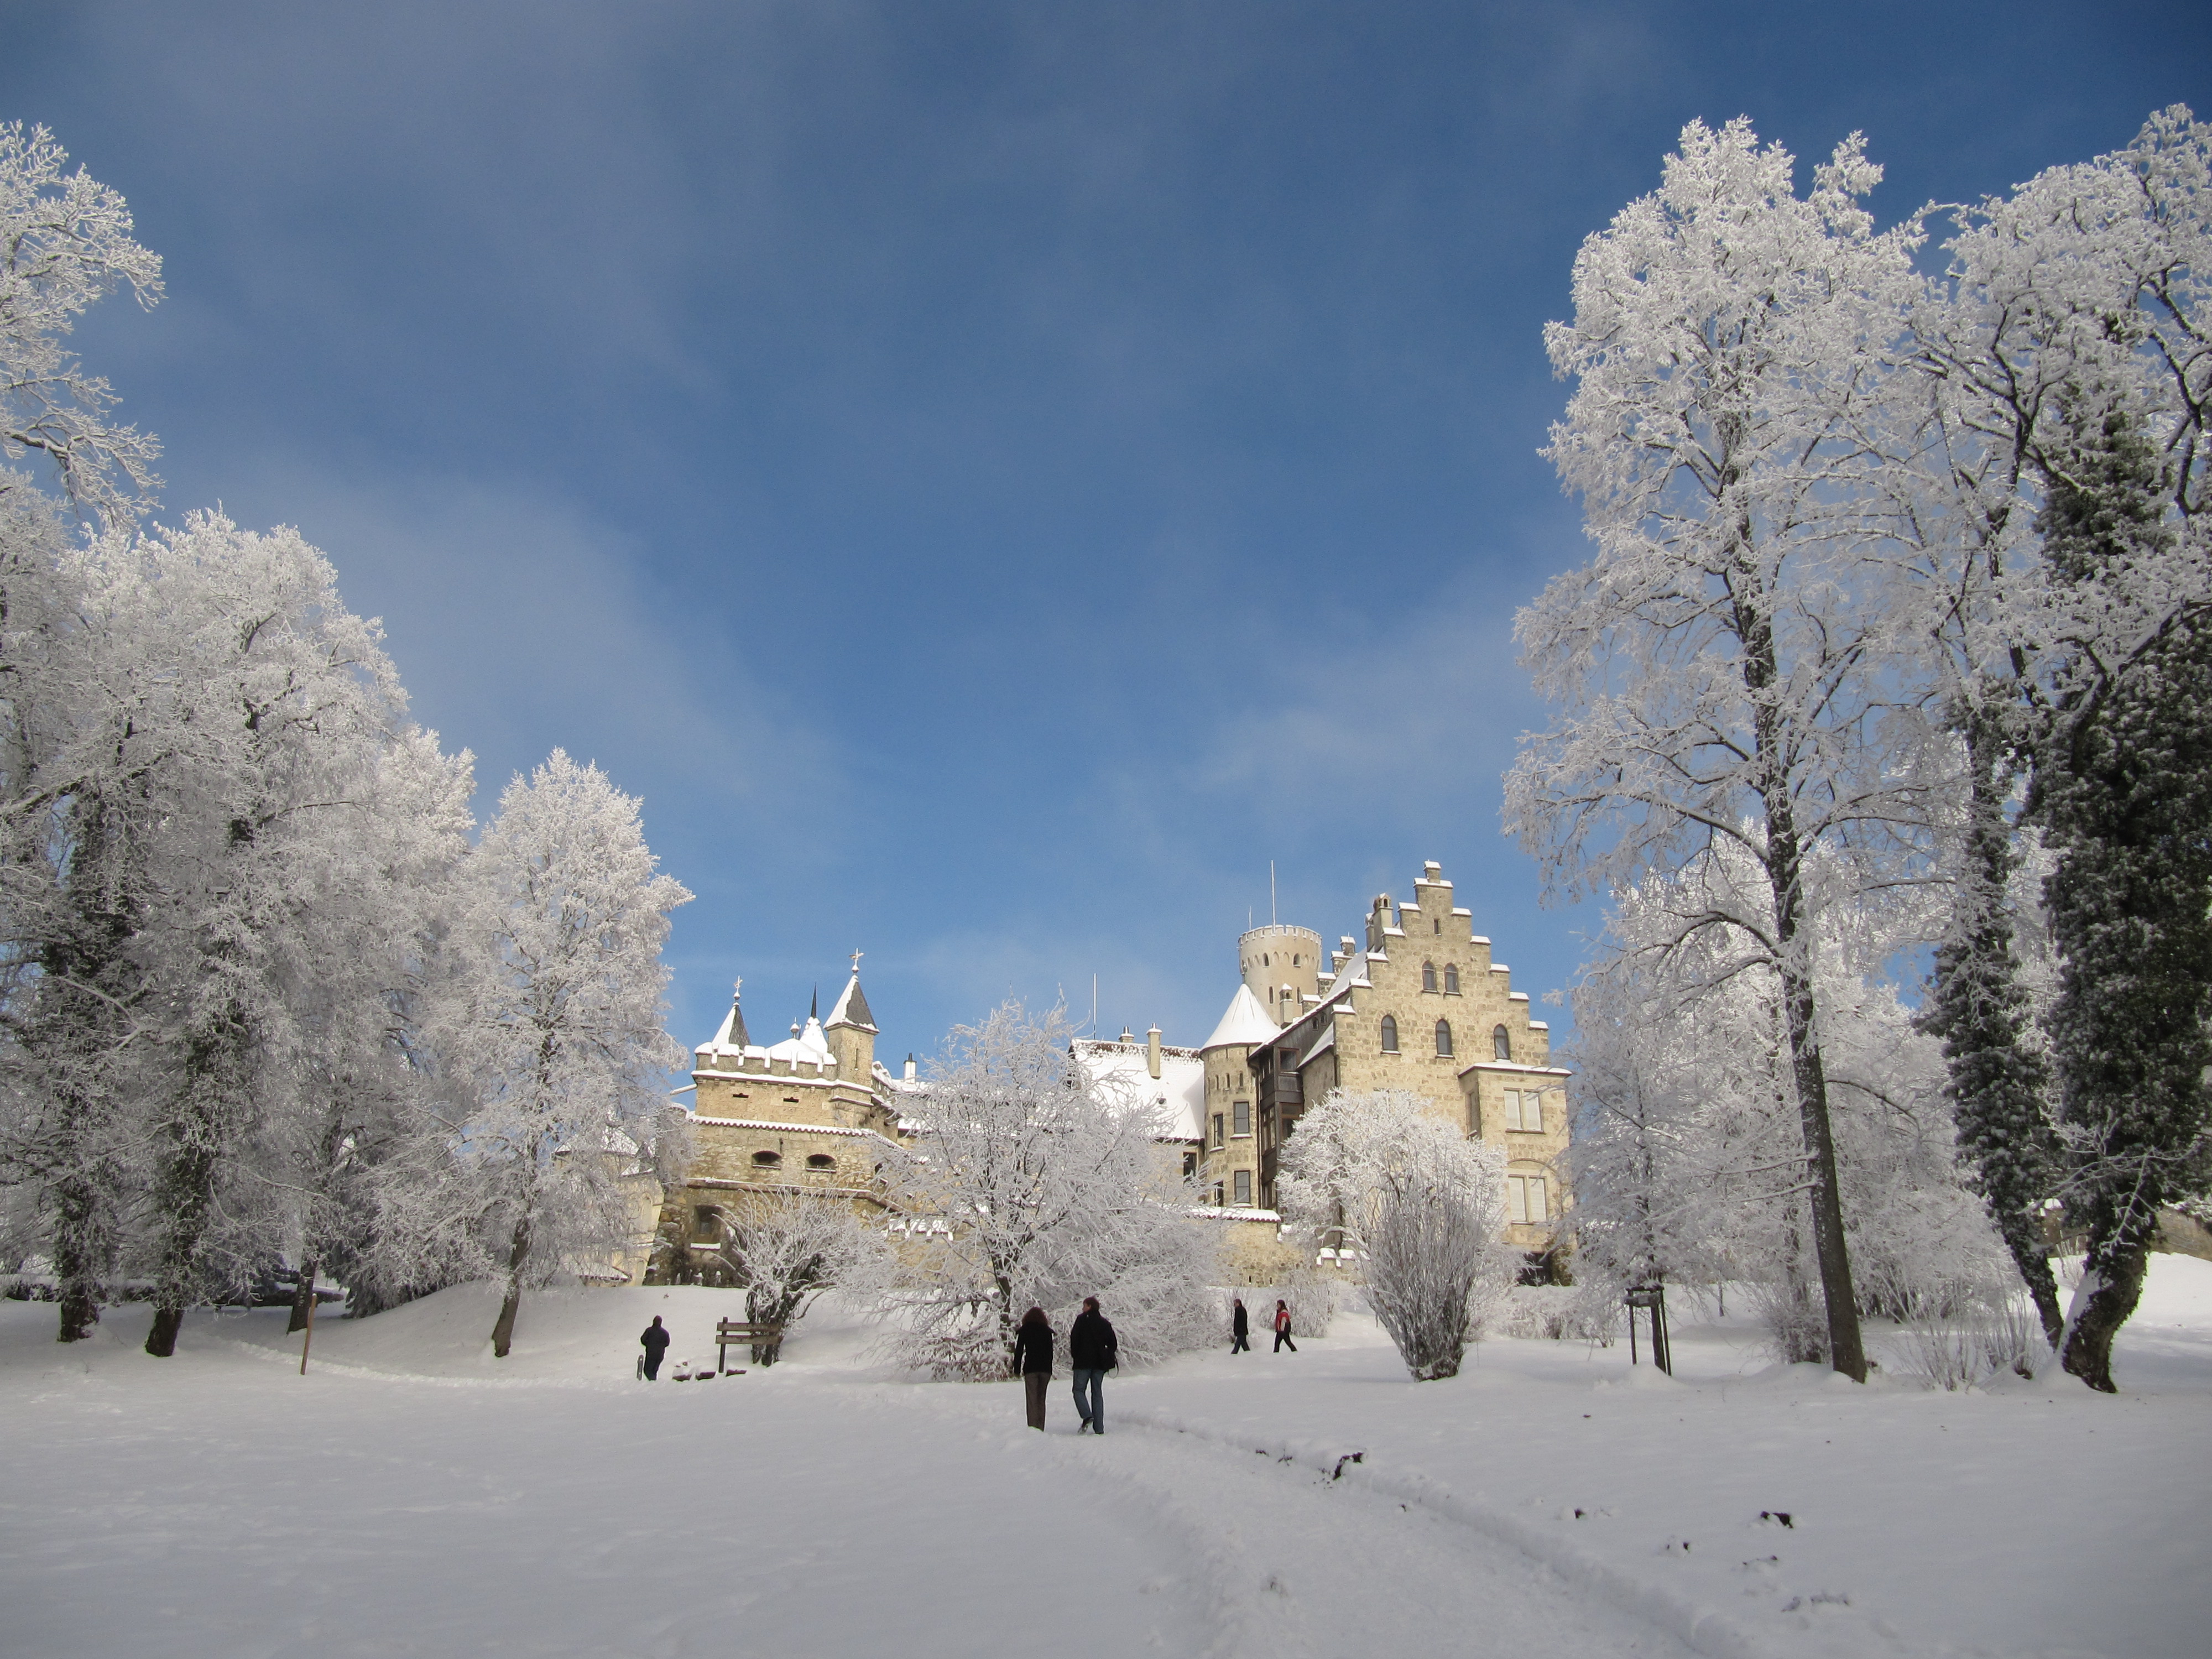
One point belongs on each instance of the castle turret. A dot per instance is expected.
(851, 1034)
(1281, 966)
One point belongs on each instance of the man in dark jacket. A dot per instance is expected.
(1091, 1352)
(1240, 1329)
(655, 1341)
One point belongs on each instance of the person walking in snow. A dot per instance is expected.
(1033, 1361)
(1091, 1352)
(1283, 1328)
(1239, 1327)
(655, 1343)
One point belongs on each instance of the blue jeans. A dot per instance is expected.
(1094, 1413)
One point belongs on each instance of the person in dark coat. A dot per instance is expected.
(1091, 1352)
(1033, 1361)
(1283, 1329)
(655, 1342)
(1239, 1327)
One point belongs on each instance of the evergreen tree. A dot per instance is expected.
(2123, 788)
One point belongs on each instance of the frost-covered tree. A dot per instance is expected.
(553, 1023)
(1377, 1174)
(65, 243)
(1034, 1184)
(1726, 664)
(2068, 346)
(787, 1248)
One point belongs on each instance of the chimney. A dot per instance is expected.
(910, 1068)
(1152, 1051)
(1126, 1035)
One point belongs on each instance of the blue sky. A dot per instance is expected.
(991, 476)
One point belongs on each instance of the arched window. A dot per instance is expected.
(1502, 1043)
(1451, 979)
(1428, 977)
(820, 1161)
(1443, 1039)
(767, 1160)
(1389, 1035)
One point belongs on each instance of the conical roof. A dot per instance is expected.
(852, 1008)
(1246, 1025)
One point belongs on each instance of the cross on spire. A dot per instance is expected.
(856, 955)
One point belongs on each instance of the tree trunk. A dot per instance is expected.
(82, 1251)
(502, 1331)
(303, 1299)
(2108, 1295)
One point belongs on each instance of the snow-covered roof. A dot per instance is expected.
(1176, 1097)
(852, 1007)
(807, 1043)
(1245, 1024)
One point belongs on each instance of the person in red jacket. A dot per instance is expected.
(1283, 1329)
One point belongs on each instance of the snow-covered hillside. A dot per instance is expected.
(412, 1494)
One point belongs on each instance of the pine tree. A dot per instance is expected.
(1998, 1082)
(2123, 788)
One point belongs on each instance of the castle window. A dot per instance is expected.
(1389, 1035)
(1528, 1201)
(1190, 1165)
(1524, 1110)
(1443, 1039)
(1241, 1124)
(1428, 977)
(706, 1223)
(1243, 1187)
(1437, 925)
(767, 1160)
(1217, 1128)
(1501, 1044)
(1451, 979)
(820, 1161)
(1217, 1195)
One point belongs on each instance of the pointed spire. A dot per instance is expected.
(736, 1036)
(814, 1006)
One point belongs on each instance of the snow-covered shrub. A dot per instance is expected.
(1379, 1174)
(1556, 1312)
(1052, 1188)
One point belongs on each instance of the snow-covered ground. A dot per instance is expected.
(413, 1495)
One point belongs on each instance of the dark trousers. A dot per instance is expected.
(1282, 1341)
(1034, 1383)
(1092, 1411)
(1238, 1344)
(653, 1368)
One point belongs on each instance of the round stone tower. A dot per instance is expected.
(1281, 965)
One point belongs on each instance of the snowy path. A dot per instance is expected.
(220, 1505)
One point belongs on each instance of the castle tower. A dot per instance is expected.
(1281, 965)
(851, 1034)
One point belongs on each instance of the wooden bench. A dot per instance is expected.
(740, 1330)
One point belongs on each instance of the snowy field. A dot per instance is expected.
(412, 1496)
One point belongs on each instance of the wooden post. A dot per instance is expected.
(310, 1335)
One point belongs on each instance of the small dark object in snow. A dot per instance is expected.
(1783, 1515)
(1350, 1457)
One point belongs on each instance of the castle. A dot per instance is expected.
(1417, 1004)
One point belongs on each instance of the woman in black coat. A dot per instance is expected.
(1033, 1361)
(1240, 1329)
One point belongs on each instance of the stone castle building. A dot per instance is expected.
(1417, 1004)
(815, 1112)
